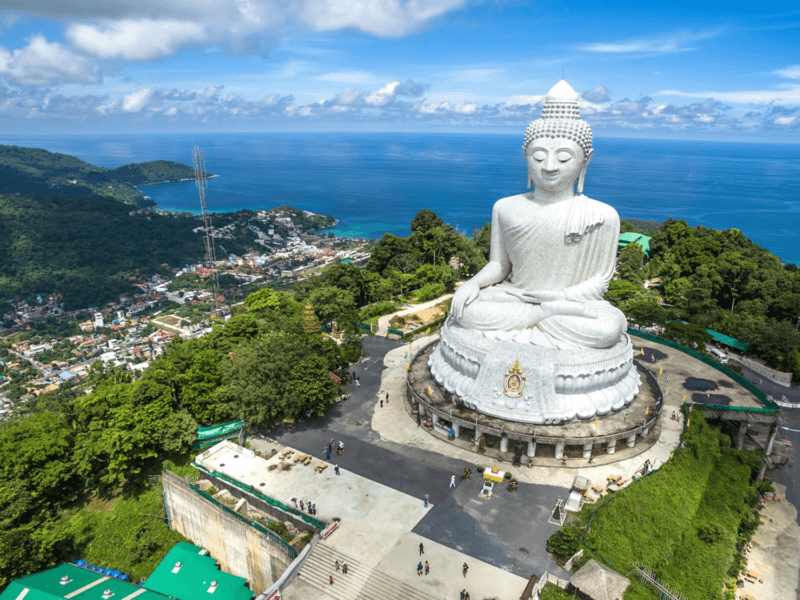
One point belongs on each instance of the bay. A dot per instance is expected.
(376, 182)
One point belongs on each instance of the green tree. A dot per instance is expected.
(331, 303)
(310, 389)
(631, 264)
(424, 221)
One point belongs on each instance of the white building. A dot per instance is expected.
(98, 319)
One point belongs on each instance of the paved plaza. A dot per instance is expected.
(389, 460)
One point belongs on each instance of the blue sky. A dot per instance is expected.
(688, 70)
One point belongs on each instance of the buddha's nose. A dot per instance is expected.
(551, 164)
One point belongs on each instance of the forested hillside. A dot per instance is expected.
(715, 279)
(36, 171)
(85, 248)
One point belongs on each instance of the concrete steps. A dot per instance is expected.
(360, 583)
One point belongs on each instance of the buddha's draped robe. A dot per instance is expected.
(569, 245)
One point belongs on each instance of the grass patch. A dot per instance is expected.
(133, 536)
(686, 522)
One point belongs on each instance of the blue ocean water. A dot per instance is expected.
(377, 182)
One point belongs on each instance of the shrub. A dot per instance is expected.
(377, 310)
(430, 291)
(565, 542)
(480, 469)
(765, 486)
(507, 475)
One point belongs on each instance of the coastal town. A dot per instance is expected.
(38, 357)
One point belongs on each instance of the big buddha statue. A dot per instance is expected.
(530, 337)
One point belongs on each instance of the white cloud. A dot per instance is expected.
(128, 30)
(352, 77)
(790, 95)
(135, 102)
(384, 18)
(671, 44)
(135, 40)
(790, 72)
(393, 104)
(42, 63)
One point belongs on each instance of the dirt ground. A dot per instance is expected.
(774, 561)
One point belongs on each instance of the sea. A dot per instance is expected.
(374, 183)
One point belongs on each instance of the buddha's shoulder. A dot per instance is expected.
(608, 212)
(512, 202)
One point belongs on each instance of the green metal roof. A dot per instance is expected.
(728, 340)
(83, 585)
(629, 237)
(204, 433)
(193, 579)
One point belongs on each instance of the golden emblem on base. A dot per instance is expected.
(514, 381)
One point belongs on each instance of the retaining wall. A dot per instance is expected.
(239, 547)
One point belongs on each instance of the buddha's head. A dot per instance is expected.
(558, 146)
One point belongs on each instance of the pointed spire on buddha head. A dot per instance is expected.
(561, 118)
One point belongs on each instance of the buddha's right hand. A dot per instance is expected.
(464, 296)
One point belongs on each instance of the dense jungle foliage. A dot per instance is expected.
(715, 279)
(63, 462)
(86, 248)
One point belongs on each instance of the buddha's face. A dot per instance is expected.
(554, 164)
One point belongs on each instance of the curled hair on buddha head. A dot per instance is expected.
(561, 118)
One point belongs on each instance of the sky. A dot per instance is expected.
(674, 70)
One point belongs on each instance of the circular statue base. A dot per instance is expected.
(603, 432)
(532, 383)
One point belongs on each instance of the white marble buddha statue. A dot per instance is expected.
(530, 337)
(558, 246)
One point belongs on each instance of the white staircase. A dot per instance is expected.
(360, 583)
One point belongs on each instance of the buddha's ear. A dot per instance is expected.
(583, 170)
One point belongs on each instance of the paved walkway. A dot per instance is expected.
(383, 322)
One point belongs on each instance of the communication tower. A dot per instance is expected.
(210, 255)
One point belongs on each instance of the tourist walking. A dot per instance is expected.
(331, 579)
(464, 569)
(421, 549)
(336, 564)
(336, 469)
(461, 595)
(426, 500)
(381, 402)
(419, 569)
(387, 397)
(344, 569)
(427, 567)
(328, 453)
(452, 481)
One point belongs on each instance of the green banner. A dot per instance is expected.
(394, 331)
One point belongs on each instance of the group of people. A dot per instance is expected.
(311, 507)
(344, 570)
(331, 447)
(426, 568)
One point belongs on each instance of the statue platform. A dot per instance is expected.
(533, 384)
(579, 437)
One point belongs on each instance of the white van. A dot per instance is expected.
(721, 356)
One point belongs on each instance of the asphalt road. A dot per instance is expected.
(509, 531)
